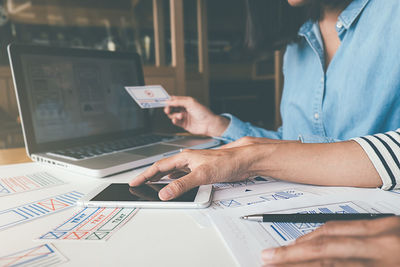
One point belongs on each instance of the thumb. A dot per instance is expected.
(180, 186)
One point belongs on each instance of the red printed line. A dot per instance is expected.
(28, 180)
(11, 187)
(53, 204)
(17, 182)
(93, 216)
(98, 213)
(76, 236)
(99, 223)
(28, 254)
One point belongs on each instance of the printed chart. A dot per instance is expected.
(253, 199)
(28, 182)
(43, 255)
(247, 182)
(91, 224)
(37, 209)
(284, 233)
(247, 239)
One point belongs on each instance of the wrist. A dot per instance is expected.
(257, 159)
(217, 126)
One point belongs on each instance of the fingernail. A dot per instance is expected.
(166, 194)
(268, 254)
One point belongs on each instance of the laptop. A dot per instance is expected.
(77, 115)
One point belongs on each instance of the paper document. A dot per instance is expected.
(285, 233)
(248, 182)
(37, 209)
(150, 96)
(247, 239)
(28, 182)
(39, 256)
(91, 224)
(252, 193)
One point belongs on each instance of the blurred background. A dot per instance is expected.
(192, 47)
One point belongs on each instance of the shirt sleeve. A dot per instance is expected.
(384, 152)
(237, 129)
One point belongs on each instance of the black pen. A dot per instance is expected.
(314, 217)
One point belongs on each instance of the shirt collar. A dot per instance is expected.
(352, 12)
(347, 17)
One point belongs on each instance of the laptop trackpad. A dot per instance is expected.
(153, 150)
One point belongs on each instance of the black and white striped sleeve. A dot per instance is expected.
(384, 152)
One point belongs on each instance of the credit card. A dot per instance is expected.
(150, 96)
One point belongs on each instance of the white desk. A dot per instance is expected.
(150, 238)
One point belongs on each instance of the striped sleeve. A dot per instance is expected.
(384, 152)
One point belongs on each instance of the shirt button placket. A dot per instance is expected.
(339, 25)
(318, 108)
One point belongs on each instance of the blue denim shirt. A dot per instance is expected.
(358, 94)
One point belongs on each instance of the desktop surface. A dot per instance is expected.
(13, 156)
(151, 238)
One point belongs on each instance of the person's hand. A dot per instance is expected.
(249, 140)
(355, 243)
(199, 167)
(195, 118)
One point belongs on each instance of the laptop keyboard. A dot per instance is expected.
(89, 151)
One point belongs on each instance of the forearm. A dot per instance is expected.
(334, 164)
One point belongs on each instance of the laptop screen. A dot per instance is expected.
(76, 97)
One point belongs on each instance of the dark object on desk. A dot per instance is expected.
(314, 218)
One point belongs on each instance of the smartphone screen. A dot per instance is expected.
(146, 192)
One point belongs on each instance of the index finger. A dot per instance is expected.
(178, 187)
(159, 169)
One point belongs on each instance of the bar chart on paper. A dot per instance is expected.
(247, 182)
(246, 239)
(43, 255)
(27, 182)
(284, 233)
(252, 199)
(93, 224)
(38, 209)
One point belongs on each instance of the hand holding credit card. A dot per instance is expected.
(150, 96)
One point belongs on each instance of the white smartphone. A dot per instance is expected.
(145, 196)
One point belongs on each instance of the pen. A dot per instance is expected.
(314, 218)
